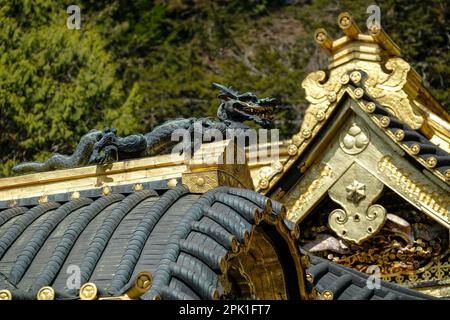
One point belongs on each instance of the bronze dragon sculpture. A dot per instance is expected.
(98, 147)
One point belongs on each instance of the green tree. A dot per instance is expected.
(55, 84)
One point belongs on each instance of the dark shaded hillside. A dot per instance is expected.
(137, 63)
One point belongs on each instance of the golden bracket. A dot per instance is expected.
(218, 164)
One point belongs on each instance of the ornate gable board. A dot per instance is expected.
(366, 66)
(342, 186)
(360, 141)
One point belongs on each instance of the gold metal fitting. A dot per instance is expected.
(370, 107)
(345, 78)
(43, 199)
(415, 148)
(5, 294)
(447, 174)
(320, 115)
(141, 285)
(200, 181)
(309, 278)
(359, 92)
(277, 166)
(263, 183)
(385, 121)
(106, 190)
(172, 183)
(431, 162)
(88, 291)
(347, 25)
(355, 76)
(297, 139)
(324, 40)
(46, 293)
(306, 133)
(327, 295)
(399, 135)
(332, 96)
(138, 187)
(75, 195)
(292, 150)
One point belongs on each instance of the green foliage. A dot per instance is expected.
(135, 64)
(55, 83)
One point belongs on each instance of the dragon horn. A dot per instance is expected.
(225, 91)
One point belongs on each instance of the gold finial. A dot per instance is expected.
(347, 25)
(88, 291)
(141, 285)
(324, 40)
(5, 294)
(138, 187)
(106, 190)
(172, 183)
(75, 195)
(43, 199)
(327, 295)
(46, 293)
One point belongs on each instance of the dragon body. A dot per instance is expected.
(97, 147)
(80, 156)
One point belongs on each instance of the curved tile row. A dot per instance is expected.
(327, 280)
(213, 230)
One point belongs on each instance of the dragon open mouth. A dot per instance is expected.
(263, 112)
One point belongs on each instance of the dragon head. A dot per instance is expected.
(236, 107)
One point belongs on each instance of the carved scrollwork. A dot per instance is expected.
(338, 216)
(388, 88)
